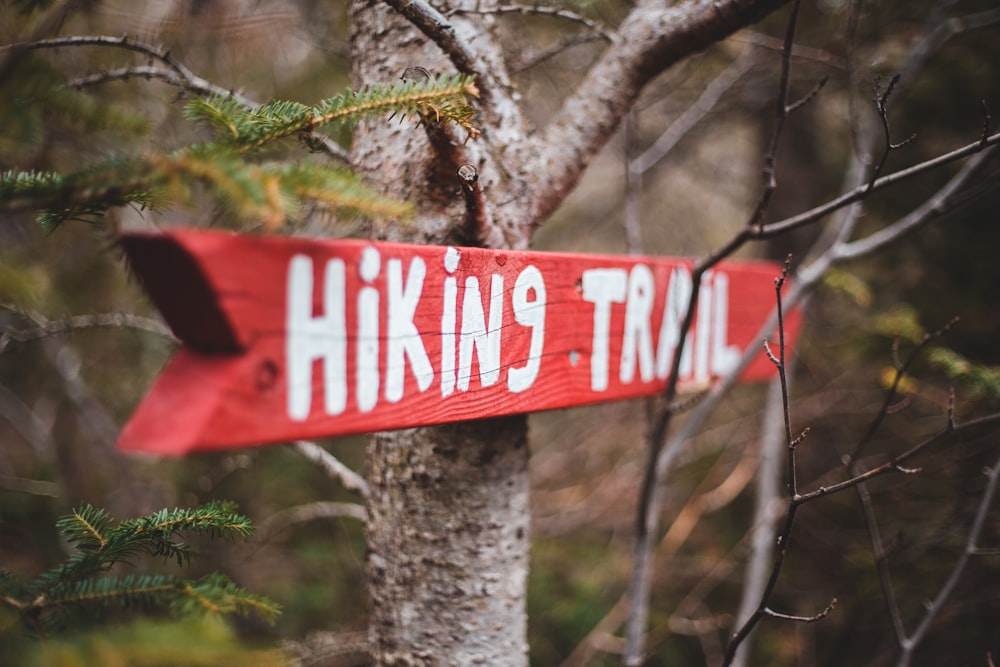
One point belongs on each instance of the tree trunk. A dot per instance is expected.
(448, 544)
(448, 510)
(448, 513)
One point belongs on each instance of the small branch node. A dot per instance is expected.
(477, 222)
(881, 98)
(770, 355)
(415, 73)
(808, 97)
(802, 619)
(469, 176)
(678, 407)
(802, 436)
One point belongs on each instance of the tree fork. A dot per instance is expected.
(448, 510)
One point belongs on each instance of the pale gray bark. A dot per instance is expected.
(448, 540)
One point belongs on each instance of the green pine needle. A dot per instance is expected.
(268, 194)
(81, 582)
(441, 99)
(982, 382)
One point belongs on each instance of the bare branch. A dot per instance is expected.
(169, 76)
(803, 619)
(810, 96)
(660, 455)
(941, 203)
(332, 466)
(937, 604)
(309, 512)
(812, 215)
(190, 79)
(34, 487)
(693, 114)
(538, 10)
(440, 30)
(650, 40)
(895, 464)
(174, 73)
(890, 396)
(523, 62)
(805, 280)
(880, 100)
(770, 159)
(594, 31)
(784, 536)
(43, 327)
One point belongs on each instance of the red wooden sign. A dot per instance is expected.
(287, 338)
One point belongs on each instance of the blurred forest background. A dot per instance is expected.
(67, 386)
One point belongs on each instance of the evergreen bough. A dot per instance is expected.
(233, 168)
(68, 594)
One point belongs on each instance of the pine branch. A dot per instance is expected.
(217, 594)
(440, 99)
(340, 190)
(85, 528)
(128, 591)
(82, 195)
(261, 193)
(78, 582)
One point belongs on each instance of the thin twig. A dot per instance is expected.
(767, 499)
(881, 99)
(784, 536)
(802, 619)
(594, 31)
(935, 607)
(555, 12)
(438, 29)
(779, 227)
(333, 467)
(694, 113)
(522, 63)
(781, 114)
(174, 73)
(890, 395)
(43, 327)
(895, 464)
(660, 457)
(193, 81)
(309, 512)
